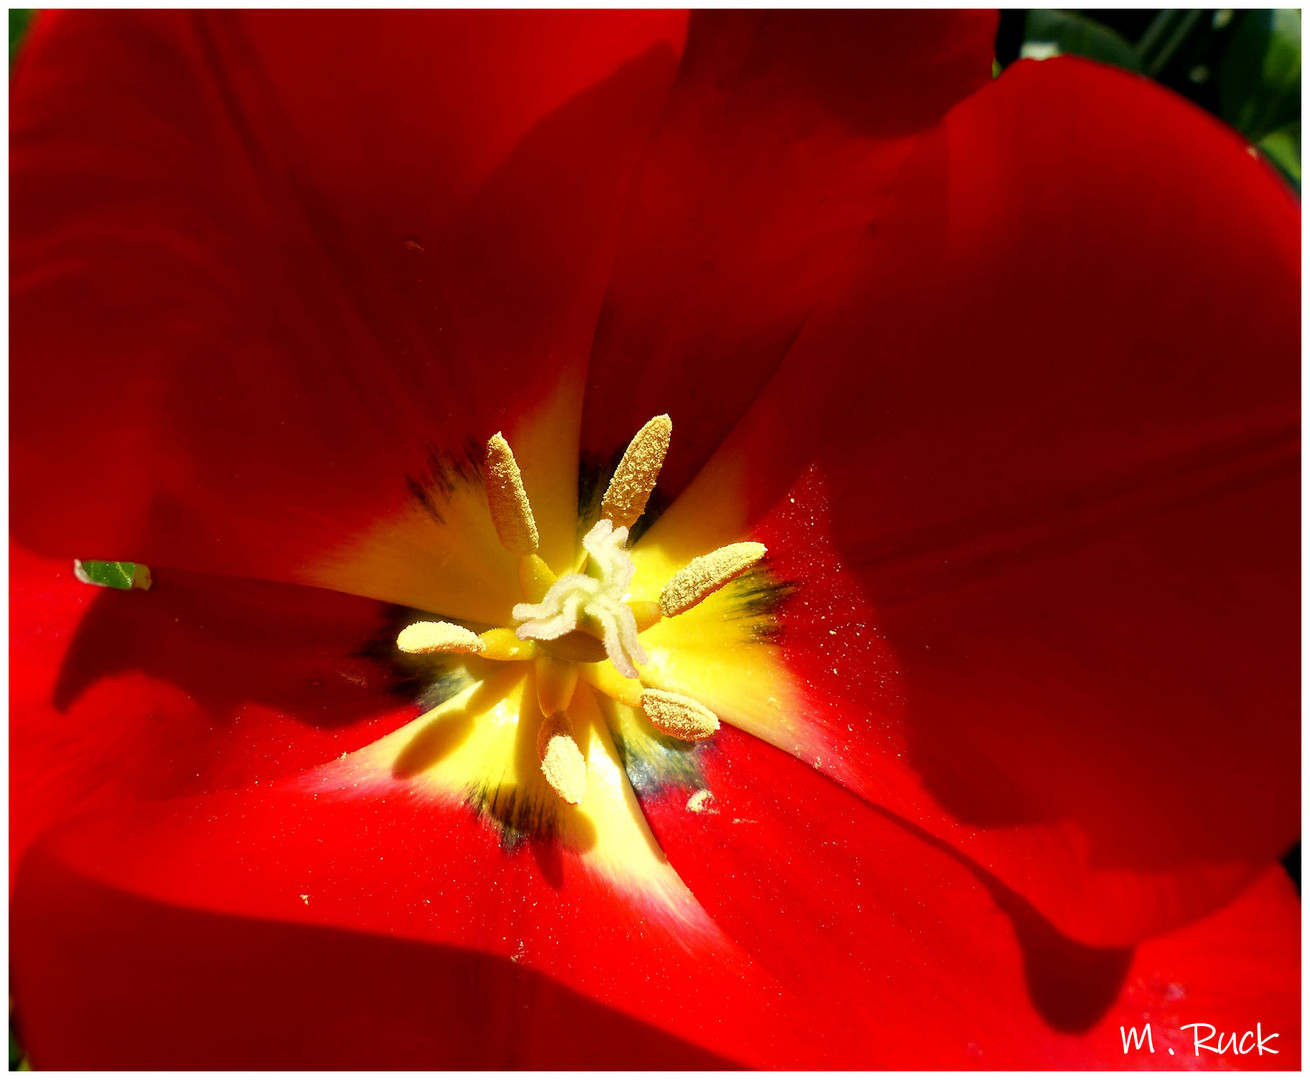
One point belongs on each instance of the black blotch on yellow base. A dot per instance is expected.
(445, 471)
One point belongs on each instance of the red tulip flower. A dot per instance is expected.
(918, 688)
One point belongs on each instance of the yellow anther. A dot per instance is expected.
(503, 644)
(535, 578)
(678, 716)
(707, 574)
(606, 679)
(511, 512)
(634, 479)
(562, 763)
(646, 612)
(556, 680)
(438, 637)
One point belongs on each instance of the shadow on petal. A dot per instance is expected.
(446, 733)
(228, 642)
(212, 991)
(1071, 985)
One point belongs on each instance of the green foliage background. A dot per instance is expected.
(1243, 66)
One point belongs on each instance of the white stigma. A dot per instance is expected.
(597, 595)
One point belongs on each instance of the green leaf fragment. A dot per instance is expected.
(1260, 76)
(1180, 31)
(1050, 33)
(20, 21)
(1283, 148)
(113, 575)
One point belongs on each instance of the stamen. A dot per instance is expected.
(634, 479)
(678, 716)
(556, 681)
(535, 578)
(562, 763)
(646, 612)
(511, 512)
(610, 683)
(503, 644)
(438, 637)
(707, 574)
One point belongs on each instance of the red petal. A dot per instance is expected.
(201, 683)
(872, 947)
(925, 960)
(300, 248)
(397, 882)
(1052, 418)
(783, 135)
(1245, 959)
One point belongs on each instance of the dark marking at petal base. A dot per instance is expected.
(445, 471)
(531, 814)
(427, 681)
(516, 816)
(654, 762)
(758, 597)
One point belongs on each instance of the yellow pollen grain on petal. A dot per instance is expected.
(438, 637)
(678, 716)
(511, 512)
(503, 644)
(562, 763)
(707, 574)
(634, 479)
(556, 680)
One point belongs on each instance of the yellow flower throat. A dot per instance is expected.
(584, 624)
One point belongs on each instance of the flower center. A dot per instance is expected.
(583, 624)
(594, 600)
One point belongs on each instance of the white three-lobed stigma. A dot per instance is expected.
(598, 595)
